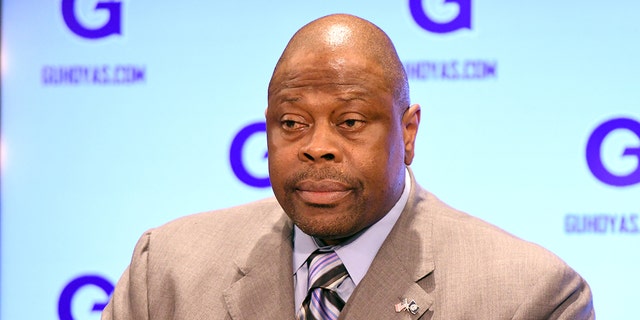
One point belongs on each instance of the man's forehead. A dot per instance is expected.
(327, 58)
(339, 70)
(323, 59)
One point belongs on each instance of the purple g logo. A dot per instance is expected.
(72, 288)
(112, 26)
(460, 21)
(594, 158)
(235, 155)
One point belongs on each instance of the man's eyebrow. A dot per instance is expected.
(288, 99)
(350, 98)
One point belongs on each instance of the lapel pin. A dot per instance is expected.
(411, 306)
(401, 305)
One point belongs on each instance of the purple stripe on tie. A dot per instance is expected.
(322, 262)
(325, 311)
(329, 311)
(315, 299)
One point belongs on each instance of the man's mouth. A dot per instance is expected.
(323, 192)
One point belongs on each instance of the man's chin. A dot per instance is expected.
(332, 232)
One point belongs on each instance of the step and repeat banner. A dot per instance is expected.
(121, 115)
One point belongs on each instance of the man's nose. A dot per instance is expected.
(321, 145)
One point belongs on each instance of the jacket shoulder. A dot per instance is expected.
(239, 222)
(506, 274)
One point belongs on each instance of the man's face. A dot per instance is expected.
(336, 150)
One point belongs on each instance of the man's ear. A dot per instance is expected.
(410, 123)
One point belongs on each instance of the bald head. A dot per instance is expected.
(340, 130)
(343, 36)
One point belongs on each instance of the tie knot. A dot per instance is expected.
(326, 270)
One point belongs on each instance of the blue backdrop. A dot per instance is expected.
(118, 116)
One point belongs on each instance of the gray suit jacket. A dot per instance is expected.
(236, 264)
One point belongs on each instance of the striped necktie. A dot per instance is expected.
(326, 273)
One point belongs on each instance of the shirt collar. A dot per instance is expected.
(358, 253)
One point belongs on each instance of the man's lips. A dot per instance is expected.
(323, 192)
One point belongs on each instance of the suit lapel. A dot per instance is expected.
(405, 258)
(265, 287)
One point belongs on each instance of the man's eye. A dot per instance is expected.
(352, 124)
(291, 124)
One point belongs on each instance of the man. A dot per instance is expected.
(341, 136)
